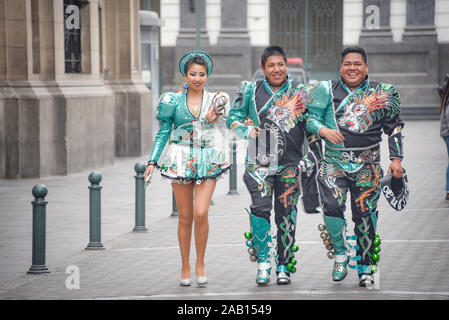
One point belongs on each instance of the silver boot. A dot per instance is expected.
(283, 278)
(366, 280)
(340, 270)
(283, 275)
(263, 274)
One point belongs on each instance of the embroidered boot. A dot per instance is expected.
(261, 238)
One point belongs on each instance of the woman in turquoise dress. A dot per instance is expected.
(193, 124)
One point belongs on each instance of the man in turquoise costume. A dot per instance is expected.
(276, 107)
(350, 114)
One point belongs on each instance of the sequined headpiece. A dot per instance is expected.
(196, 53)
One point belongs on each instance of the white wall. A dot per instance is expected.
(170, 22)
(352, 21)
(258, 22)
(398, 18)
(213, 20)
(442, 20)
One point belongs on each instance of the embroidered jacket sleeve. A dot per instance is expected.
(392, 124)
(165, 112)
(320, 108)
(240, 110)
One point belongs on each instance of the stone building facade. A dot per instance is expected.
(71, 97)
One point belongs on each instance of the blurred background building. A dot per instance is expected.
(407, 41)
(79, 79)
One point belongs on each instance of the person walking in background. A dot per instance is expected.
(444, 131)
(195, 156)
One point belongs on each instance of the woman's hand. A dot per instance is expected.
(148, 171)
(249, 122)
(334, 136)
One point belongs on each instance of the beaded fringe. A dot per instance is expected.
(183, 180)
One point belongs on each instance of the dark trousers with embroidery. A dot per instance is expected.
(284, 186)
(364, 188)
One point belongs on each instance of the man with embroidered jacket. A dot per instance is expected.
(276, 106)
(350, 114)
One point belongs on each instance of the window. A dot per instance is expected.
(72, 36)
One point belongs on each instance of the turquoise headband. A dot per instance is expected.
(191, 55)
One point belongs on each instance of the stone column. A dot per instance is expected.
(232, 55)
(18, 116)
(132, 114)
(187, 29)
(376, 22)
(420, 22)
(234, 31)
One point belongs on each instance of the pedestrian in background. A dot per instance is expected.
(195, 155)
(444, 131)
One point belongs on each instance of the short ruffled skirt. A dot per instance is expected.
(183, 163)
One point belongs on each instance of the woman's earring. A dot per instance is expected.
(186, 87)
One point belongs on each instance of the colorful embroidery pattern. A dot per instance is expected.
(291, 195)
(329, 172)
(288, 109)
(259, 176)
(363, 108)
(368, 181)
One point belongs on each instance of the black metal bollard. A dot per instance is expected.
(39, 225)
(233, 173)
(140, 197)
(174, 206)
(95, 212)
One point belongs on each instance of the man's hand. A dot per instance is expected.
(334, 136)
(254, 133)
(396, 168)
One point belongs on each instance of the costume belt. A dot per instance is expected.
(190, 136)
(369, 154)
(194, 143)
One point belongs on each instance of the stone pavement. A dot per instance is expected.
(414, 258)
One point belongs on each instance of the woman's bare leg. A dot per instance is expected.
(184, 202)
(203, 196)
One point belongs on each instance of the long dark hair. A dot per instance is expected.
(445, 96)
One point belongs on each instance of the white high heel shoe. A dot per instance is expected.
(201, 281)
(185, 282)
